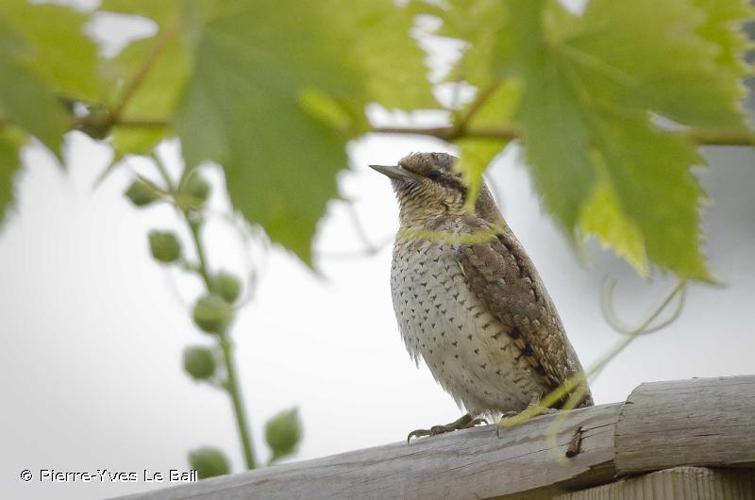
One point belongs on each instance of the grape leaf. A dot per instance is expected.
(477, 22)
(721, 16)
(59, 51)
(10, 142)
(499, 102)
(391, 62)
(164, 62)
(475, 154)
(667, 67)
(592, 85)
(603, 217)
(649, 171)
(277, 90)
(556, 135)
(613, 70)
(26, 100)
(158, 92)
(162, 12)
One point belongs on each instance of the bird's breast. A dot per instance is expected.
(467, 350)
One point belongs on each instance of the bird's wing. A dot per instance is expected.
(501, 276)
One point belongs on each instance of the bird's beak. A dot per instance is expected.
(395, 172)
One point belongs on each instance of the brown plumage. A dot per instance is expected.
(467, 297)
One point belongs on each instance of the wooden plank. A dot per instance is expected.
(703, 422)
(468, 464)
(679, 483)
(691, 422)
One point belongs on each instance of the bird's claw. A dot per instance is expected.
(464, 422)
(432, 431)
(417, 434)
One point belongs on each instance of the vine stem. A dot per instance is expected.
(234, 390)
(482, 97)
(580, 379)
(197, 239)
(645, 328)
(453, 132)
(231, 385)
(139, 76)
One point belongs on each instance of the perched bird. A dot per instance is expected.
(468, 299)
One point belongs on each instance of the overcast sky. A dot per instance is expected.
(94, 329)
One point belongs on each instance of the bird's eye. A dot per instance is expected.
(434, 174)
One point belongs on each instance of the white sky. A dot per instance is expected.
(93, 329)
(94, 333)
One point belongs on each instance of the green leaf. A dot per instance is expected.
(330, 112)
(10, 144)
(602, 216)
(277, 90)
(156, 68)
(243, 110)
(551, 121)
(665, 67)
(59, 51)
(162, 12)
(393, 65)
(591, 87)
(649, 171)
(157, 92)
(26, 99)
(479, 23)
(497, 107)
(283, 433)
(611, 71)
(474, 157)
(722, 17)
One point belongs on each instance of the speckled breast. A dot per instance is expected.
(464, 346)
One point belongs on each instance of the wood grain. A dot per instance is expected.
(690, 422)
(698, 422)
(679, 483)
(473, 463)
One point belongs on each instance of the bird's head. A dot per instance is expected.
(428, 186)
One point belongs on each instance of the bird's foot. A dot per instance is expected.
(464, 422)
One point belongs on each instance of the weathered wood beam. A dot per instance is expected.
(679, 483)
(704, 421)
(662, 424)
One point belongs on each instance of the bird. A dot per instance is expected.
(468, 299)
